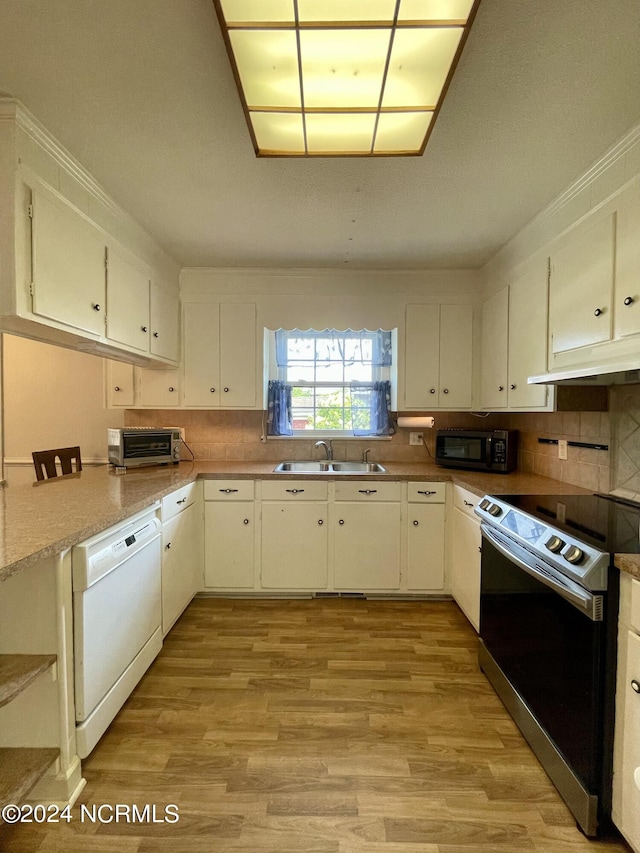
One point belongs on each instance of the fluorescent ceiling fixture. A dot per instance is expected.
(322, 78)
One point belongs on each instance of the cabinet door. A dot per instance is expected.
(201, 346)
(528, 330)
(422, 356)
(425, 547)
(456, 350)
(127, 302)
(181, 563)
(581, 289)
(465, 560)
(237, 355)
(627, 284)
(367, 546)
(229, 537)
(68, 266)
(158, 388)
(165, 323)
(120, 386)
(630, 770)
(495, 322)
(294, 545)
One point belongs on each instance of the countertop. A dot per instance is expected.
(43, 519)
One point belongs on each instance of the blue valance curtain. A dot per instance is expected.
(279, 408)
(371, 408)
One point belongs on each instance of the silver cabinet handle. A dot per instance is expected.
(500, 387)
(96, 306)
(425, 492)
(225, 390)
(294, 491)
(466, 503)
(513, 387)
(156, 334)
(416, 523)
(246, 521)
(144, 329)
(181, 501)
(432, 390)
(635, 685)
(367, 491)
(213, 390)
(117, 388)
(320, 521)
(227, 491)
(597, 312)
(168, 545)
(629, 300)
(171, 388)
(341, 521)
(445, 390)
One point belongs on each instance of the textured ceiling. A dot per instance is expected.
(141, 92)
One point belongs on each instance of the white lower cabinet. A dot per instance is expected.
(425, 536)
(309, 536)
(182, 557)
(626, 777)
(230, 535)
(465, 542)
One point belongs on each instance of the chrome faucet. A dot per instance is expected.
(328, 448)
(365, 454)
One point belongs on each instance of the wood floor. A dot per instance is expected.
(322, 726)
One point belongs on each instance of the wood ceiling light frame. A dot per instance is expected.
(297, 26)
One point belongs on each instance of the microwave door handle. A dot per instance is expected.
(584, 601)
(489, 459)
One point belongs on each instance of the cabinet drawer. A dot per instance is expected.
(368, 491)
(433, 493)
(465, 501)
(228, 490)
(177, 501)
(299, 490)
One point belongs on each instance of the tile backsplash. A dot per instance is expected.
(235, 436)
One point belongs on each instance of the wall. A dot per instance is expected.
(625, 417)
(53, 397)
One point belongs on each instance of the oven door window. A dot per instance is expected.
(550, 653)
(143, 445)
(462, 449)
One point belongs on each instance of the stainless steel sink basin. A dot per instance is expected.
(329, 467)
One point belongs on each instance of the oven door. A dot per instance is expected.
(544, 647)
(150, 444)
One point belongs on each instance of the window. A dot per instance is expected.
(337, 381)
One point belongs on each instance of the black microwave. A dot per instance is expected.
(478, 449)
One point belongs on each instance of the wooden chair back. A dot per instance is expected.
(45, 461)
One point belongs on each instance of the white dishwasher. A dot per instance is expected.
(117, 613)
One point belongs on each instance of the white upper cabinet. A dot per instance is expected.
(68, 265)
(165, 323)
(495, 351)
(514, 343)
(127, 301)
(438, 357)
(627, 284)
(219, 355)
(75, 267)
(581, 286)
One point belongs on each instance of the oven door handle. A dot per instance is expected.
(585, 601)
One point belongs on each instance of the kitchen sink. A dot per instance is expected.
(329, 467)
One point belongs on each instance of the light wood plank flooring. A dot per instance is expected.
(324, 726)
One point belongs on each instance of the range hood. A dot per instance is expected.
(620, 373)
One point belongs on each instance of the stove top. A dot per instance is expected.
(604, 522)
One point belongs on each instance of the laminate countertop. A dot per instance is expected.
(41, 520)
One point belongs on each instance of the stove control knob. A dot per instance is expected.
(484, 503)
(573, 554)
(554, 544)
(495, 510)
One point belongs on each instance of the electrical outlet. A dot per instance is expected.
(182, 433)
(562, 449)
(415, 438)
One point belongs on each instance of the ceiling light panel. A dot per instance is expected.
(343, 77)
